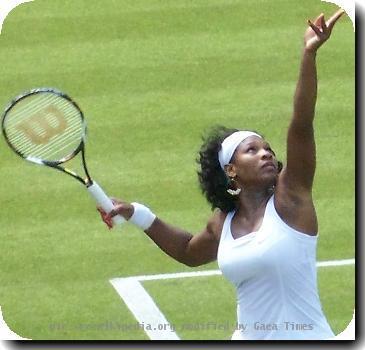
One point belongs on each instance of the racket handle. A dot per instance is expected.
(104, 201)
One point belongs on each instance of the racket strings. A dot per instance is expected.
(61, 144)
(45, 126)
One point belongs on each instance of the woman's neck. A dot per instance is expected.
(251, 200)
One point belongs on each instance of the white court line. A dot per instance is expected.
(147, 313)
(143, 308)
(336, 263)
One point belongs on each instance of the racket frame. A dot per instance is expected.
(53, 164)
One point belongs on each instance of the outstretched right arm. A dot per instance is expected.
(191, 250)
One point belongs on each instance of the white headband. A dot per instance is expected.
(230, 144)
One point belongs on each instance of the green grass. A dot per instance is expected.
(151, 77)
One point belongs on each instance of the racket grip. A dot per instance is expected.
(104, 201)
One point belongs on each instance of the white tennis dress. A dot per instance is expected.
(274, 271)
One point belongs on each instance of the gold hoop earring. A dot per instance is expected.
(233, 190)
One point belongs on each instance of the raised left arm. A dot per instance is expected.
(298, 174)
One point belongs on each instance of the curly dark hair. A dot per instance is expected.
(213, 180)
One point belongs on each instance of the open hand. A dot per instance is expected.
(320, 30)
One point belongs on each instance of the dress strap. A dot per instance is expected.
(226, 230)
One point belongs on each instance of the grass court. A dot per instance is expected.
(151, 77)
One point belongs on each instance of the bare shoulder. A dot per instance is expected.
(295, 207)
(215, 223)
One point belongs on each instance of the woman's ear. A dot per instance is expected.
(230, 170)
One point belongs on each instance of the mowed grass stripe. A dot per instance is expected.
(118, 21)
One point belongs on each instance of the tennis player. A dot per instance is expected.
(264, 230)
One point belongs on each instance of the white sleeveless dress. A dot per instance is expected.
(274, 272)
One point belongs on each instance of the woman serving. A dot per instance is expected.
(264, 229)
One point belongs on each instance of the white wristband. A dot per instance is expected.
(142, 216)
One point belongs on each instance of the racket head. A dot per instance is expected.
(44, 126)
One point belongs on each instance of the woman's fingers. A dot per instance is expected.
(319, 20)
(315, 28)
(120, 208)
(323, 25)
(331, 22)
(105, 218)
(116, 200)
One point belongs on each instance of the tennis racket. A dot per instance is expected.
(46, 127)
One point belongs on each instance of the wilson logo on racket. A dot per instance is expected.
(43, 125)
